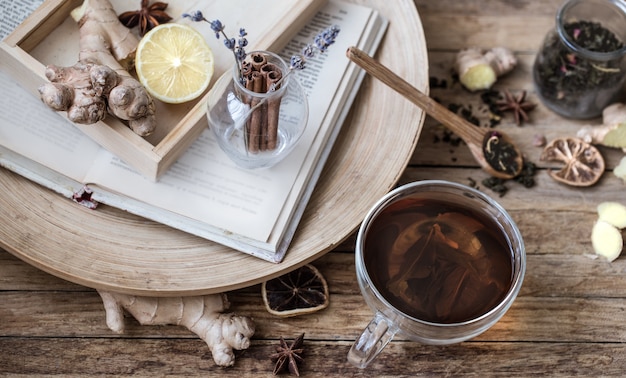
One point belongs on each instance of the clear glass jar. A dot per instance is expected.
(580, 67)
(257, 129)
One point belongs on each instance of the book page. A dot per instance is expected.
(13, 12)
(25, 118)
(372, 26)
(30, 128)
(205, 185)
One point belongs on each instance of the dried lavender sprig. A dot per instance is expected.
(321, 42)
(236, 46)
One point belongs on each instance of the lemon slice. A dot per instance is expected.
(174, 63)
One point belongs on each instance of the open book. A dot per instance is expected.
(203, 193)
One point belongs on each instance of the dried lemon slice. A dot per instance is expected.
(584, 164)
(174, 63)
(301, 291)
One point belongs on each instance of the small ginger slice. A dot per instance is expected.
(613, 213)
(606, 240)
(613, 135)
(584, 165)
(479, 70)
(612, 132)
(616, 137)
(620, 169)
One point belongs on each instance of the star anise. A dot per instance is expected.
(147, 17)
(287, 357)
(516, 104)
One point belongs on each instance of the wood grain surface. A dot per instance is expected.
(569, 319)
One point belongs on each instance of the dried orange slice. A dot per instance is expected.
(301, 291)
(174, 63)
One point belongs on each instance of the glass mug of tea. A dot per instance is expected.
(438, 262)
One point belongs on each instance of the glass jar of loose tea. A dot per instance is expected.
(580, 67)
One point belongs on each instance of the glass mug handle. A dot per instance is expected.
(371, 341)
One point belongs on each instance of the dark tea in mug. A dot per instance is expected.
(437, 260)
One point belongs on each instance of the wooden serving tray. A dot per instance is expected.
(113, 250)
(50, 36)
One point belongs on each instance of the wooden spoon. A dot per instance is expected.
(493, 150)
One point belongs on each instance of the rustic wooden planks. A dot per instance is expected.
(567, 321)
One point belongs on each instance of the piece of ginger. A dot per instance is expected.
(479, 70)
(202, 315)
(620, 169)
(606, 240)
(606, 235)
(613, 213)
(612, 131)
(99, 82)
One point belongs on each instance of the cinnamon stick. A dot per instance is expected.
(257, 60)
(246, 71)
(273, 106)
(257, 117)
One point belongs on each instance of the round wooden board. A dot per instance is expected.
(113, 250)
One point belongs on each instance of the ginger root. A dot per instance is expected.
(606, 240)
(479, 70)
(620, 169)
(606, 234)
(202, 315)
(613, 213)
(99, 82)
(612, 132)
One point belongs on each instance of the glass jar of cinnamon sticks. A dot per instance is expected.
(258, 112)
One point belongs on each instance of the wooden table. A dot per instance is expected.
(568, 319)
